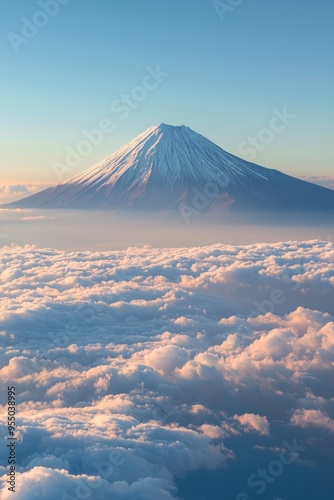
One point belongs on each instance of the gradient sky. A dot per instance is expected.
(225, 78)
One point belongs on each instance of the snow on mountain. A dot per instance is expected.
(167, 167)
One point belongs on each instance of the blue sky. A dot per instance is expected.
(225, 78)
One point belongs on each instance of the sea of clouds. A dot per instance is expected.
(135, 369)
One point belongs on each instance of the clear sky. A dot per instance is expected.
(226, 75)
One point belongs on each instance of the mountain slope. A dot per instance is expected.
(168, 167)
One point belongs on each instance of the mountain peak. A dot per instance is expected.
(165, 126)
(164, 129)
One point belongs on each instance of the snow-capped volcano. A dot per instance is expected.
(168, 167)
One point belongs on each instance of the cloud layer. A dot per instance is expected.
(137, 368)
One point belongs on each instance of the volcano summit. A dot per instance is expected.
(169, 167)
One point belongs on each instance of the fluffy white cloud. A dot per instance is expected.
(312, 418)
(135, 368)
(55, 484)
(255, 423)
